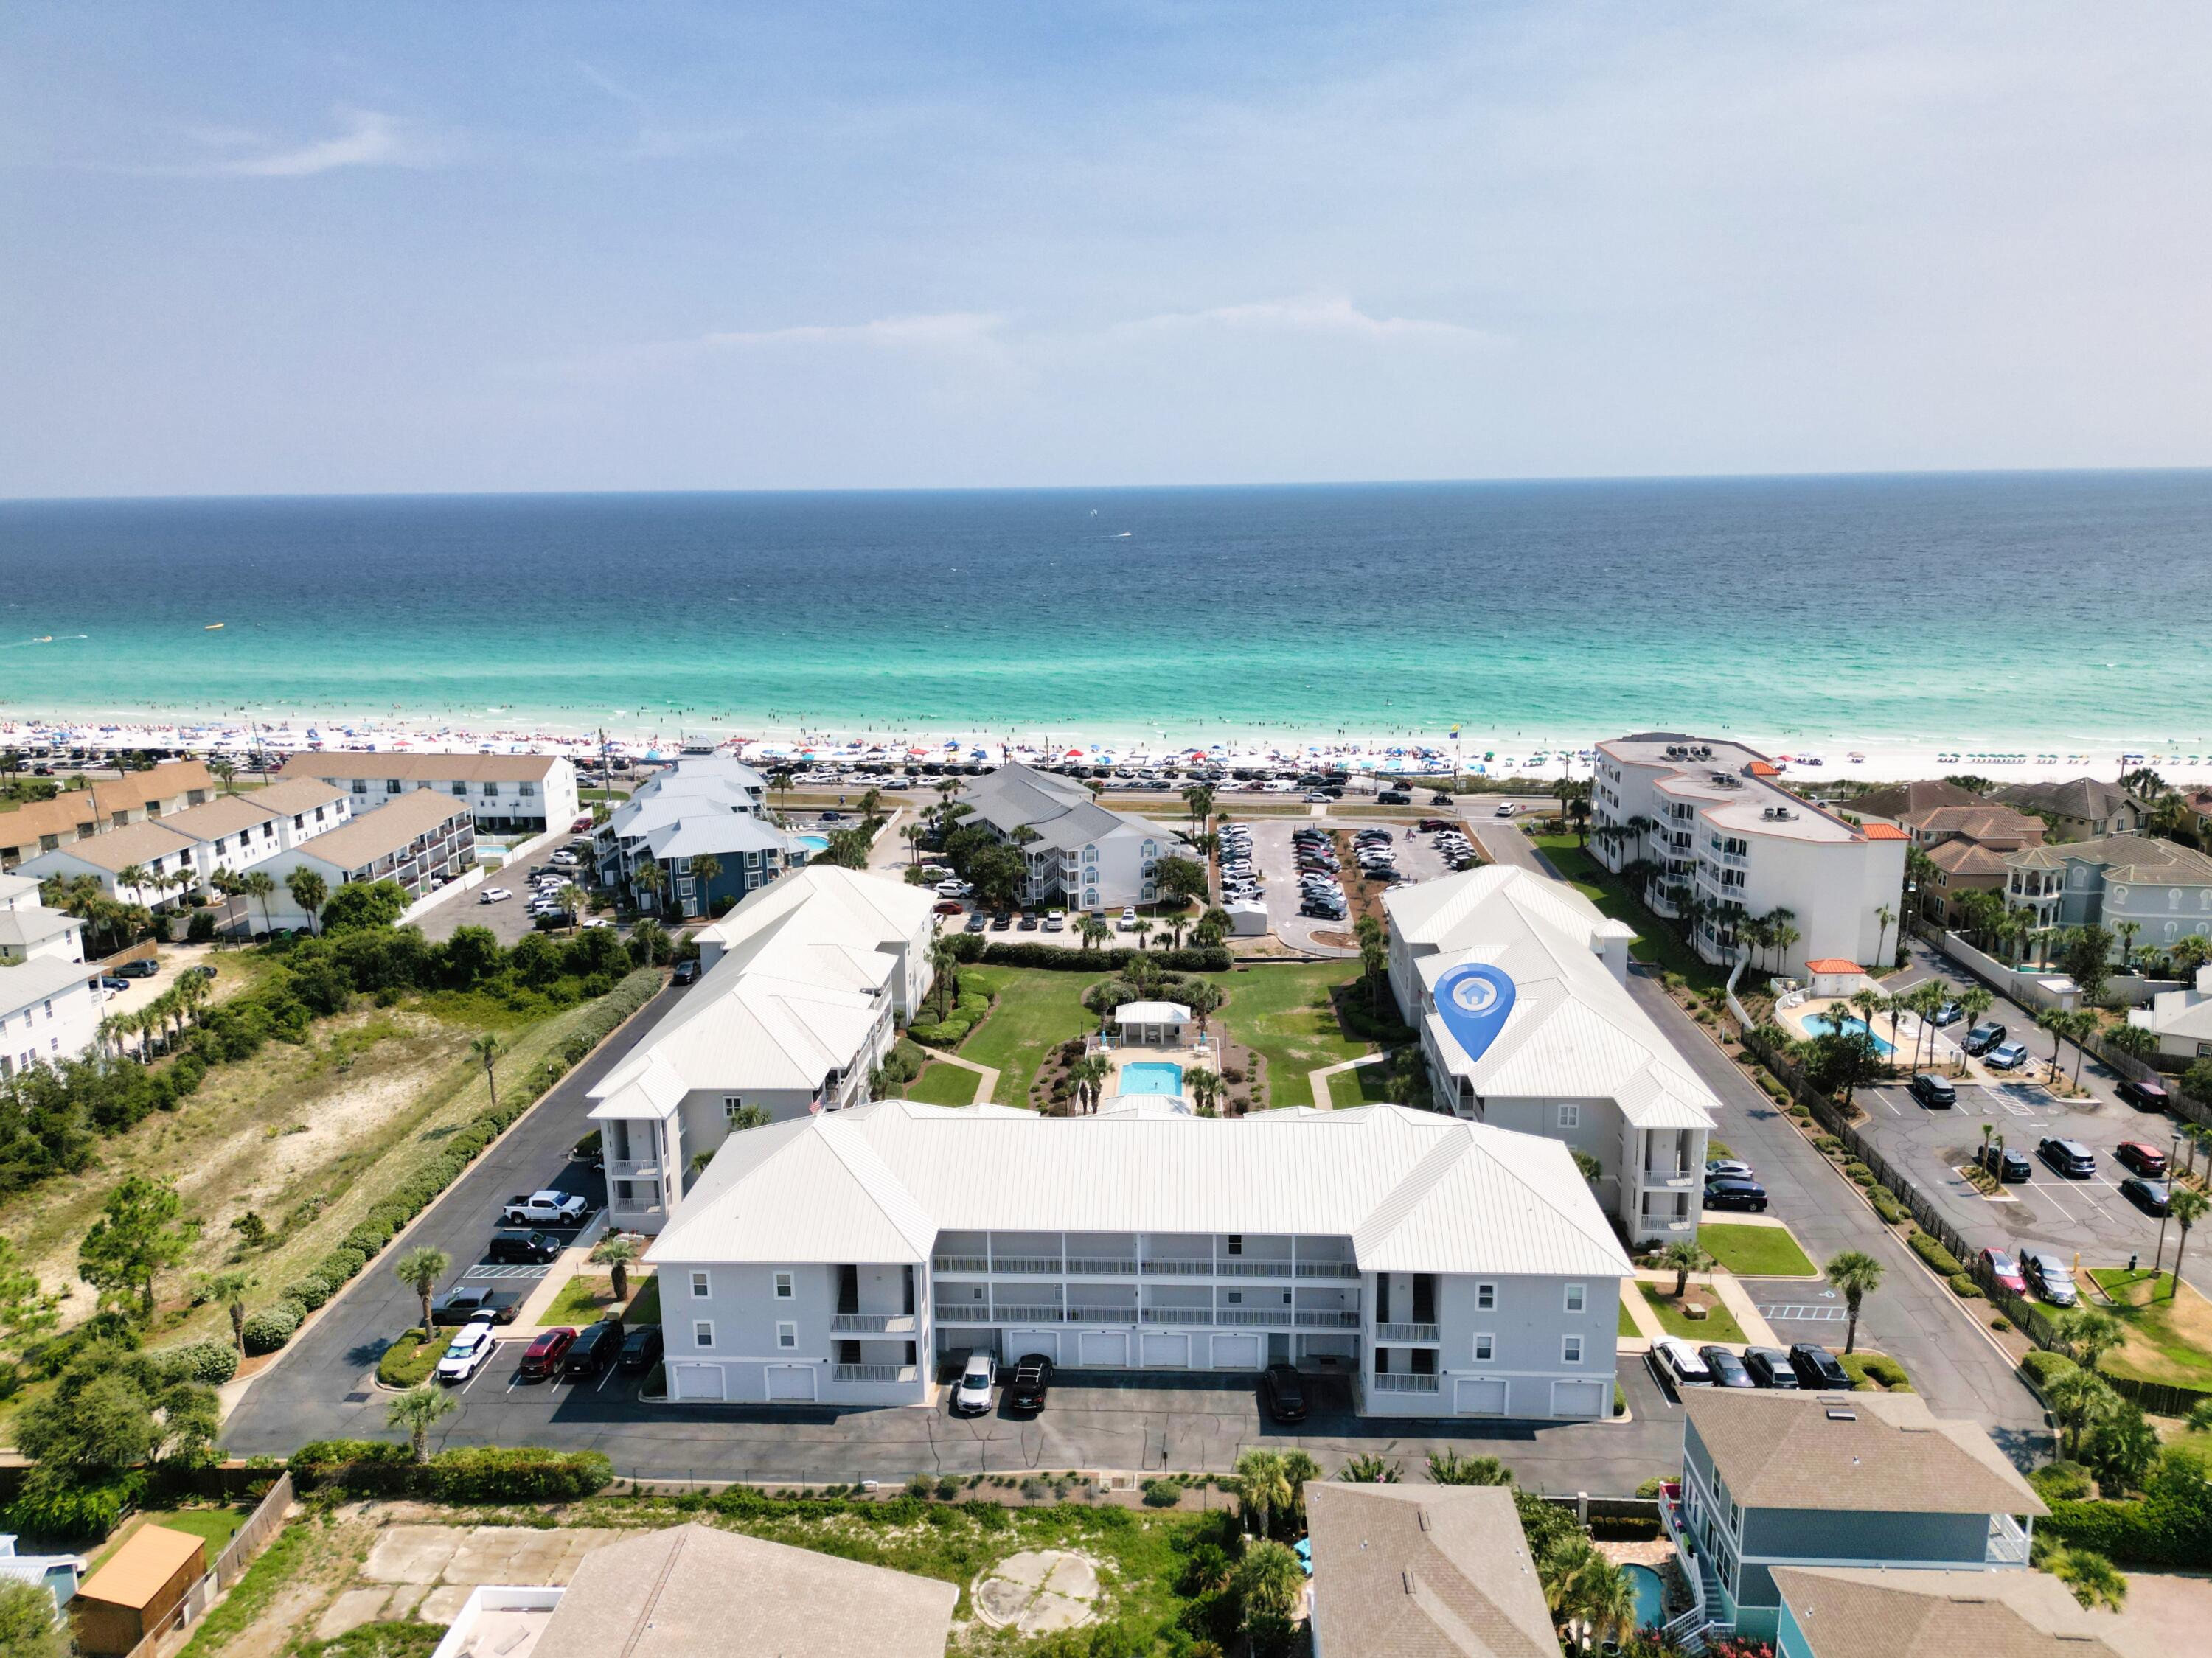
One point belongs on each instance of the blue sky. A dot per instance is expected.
(279, 248)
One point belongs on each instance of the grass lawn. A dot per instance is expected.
(1032, 1009)
(1626, 1327)
(644, 1303)
(944, 1084)
(2169, 1337)
(1756, 1251)
(1718, 1324)
(1285, 1013)
(215, 1527)
(1368, 1085)
(1654, 942)
(584, 1299)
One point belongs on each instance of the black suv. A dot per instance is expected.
(1984, 1037)
(686, 972)
(641, 1348)
(1931, 1089)
(1769, 1367)
(1393, 797)
(1816, 1367)
(592, 1351)
(523, 1248)
(2007, 1165)
(1284, 1390)
(1032, 1380)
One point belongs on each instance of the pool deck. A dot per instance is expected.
(1183, 1058)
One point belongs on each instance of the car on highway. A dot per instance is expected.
(2010, 1167)
(2145, 1093)
(1728, 1370)
(1679, 1364)
(2003, 1269)
(2069, 1158)
(494, 895)
(468, 1352)
(592, 1351)
(545, 1208)
(641, 1348)
(1032, 1382)
(473, 1302)
(971, 1394)
(1815, 1366)
(1748, 1195)
(1984, 1037)
(1931, 1090)
(1506, 809)
(543, 1357)
(1284, 1390)
(523, 1248)
(687, 972)
(2153, 1197)
(1769, 1367)
(2048, 1277)
(2006, 1056)
(2142, 1157)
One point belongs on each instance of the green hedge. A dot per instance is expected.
(1870, 1370)
(1931, 1250)
(2170, 1525)
(311, 1291)
(1885, 1204)
(409, 1360)
(211, 1362)
(68, 1511)
(340, 1265)
(1054, 958)
(272, 1326)
(1964, 1287)
(489, 1473)
(2042, 1368)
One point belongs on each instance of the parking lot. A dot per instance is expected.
(1274, 859)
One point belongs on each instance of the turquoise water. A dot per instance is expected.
(813, 843)
(1650, 1596)
(1820, 1026)
(1153, 1077)
(2060, 608)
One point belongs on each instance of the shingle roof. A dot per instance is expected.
(1981, 821)
(2130, 858)
(1855, 1453)
(1061, 810)
(425, 767)
(2077, 797)
(1419, 1192)
(133, 843)
(694, 1591)
(1854, 1612)
(225, 815)
(1966, 858)
(1423, 1571)
(361, 841)
(1902, 800)
(297, 794)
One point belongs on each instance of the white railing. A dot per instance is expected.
(1327, 1269)
(1102, 1316)
(648, 1169)
(1311, 1318)
(2007, 1545)
(960, 1263)
(1027, 1265)
(1396, 1382)
(1178, 1314)
(1406, 1333)
(1025, 1315)
(871, 1324)
(876, 1373)
(1102, 1265)
(1161, 1268)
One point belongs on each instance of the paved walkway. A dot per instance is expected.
(987, 1079)
(1319, 1079)
(1726, 1290)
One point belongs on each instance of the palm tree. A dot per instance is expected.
(572, 900)
(1586, 1592)
(615, 1252)
(418, 1411)
(224, 770)
(2188, 1206)
(1885, 917)
(943, 971)
(2091, 1335)
(1204, 1088)
(1448, 1467)
(1263, 1484)
(1974, 1001)
(230, 1288)
(486, 1049)
(1684, 1255)
(915, 835)
(1204, 1000)
(133, 876)
(420, 1269)
(1366, 1469)
(1200, 800)
(2077, 1398)
(1090, 1075)
(310, 891)
(2127, 930)
(647, 880)
(1093, 932)
(705, 867)
(2053, 1020)
(1856, 1274)
(259, 884)
(2091, 1576)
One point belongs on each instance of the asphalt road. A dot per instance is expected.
(321, 1388)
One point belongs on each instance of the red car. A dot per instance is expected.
(2004, 1270)
(2144, 1159)
(950, 906)
(544, 1356)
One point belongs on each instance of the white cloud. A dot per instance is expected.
(942, 330)
(1325, 315)
(369, 139)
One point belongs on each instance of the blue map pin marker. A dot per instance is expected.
(1474, 1000)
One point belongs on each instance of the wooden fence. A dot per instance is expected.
(264, 1523)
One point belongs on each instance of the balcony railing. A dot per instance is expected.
(960, 1263)
(1242, 1316)
(2008, 1542)
(1102, 1316)
(845, 1324)
(1025, 1315)
(1027, 1265)
(1248, 1267)
(1315, 1319)
(874, 1372)
(618, 1168)
(1397, 1382)
(1102, 1267)
(1178, 1315)
(1328, 1269)
(1406, 1333)
(1179, 1268)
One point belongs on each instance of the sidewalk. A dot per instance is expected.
(1726, 1290)
(986, 1083)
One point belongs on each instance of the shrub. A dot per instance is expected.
(517, 1473)
(1826, 1145)
(340, 1265)
(212, 1362)
(1885, 1204)
(1964, 1287)
(2043, 1367)
(1162, 1493)
(2001, 1323)
(69, 1510)
(371, 1236)
(1859, 1172)
(1869, 1371)
(311, 1291)
(364, 1468)
(409, 1360)
(272, 1326)
(1931, 1251)
(2063, 1482)
(391, 1214)
(2170, 1525)
(1056, 959)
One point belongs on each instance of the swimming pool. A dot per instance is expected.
(1153, 1077)
(1818, 1024)
(1650, 1596)
(815, 844)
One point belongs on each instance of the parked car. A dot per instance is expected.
(1984, 1037)
(522, 1248)
(1002, 921)
(2003, 1269)
(1506, 809)
(111, 984)
(199, 970)
(1679, 1364)
(1028, 922)
(1284, 1390)
(546, 1208)
(1815, 1366)
(1728, 1168)
(1128, 921)
(976, 921)
(1393, 797)
(2144, 1158)
(592, 1351)
(2048, 1277)
(1949, 1014)
(2153, 1197)
(146, 970)
(468, 1352)
(1731, 1194)
(2006, 1056)
(543, 1357)
(1933, 1092)
(1055, 921)
(1769, 1367)
(471, 1302)
(2069, 1158)
(971, 1395)
(2010, 1167)
(641, 1348)
(2145, 1093)
(948, 906)
(494, 895)
(1728, 1370)
(1032, 1380)
(687, 972)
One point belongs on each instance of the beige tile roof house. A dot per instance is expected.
(1854, 1612)
(1422, 1572)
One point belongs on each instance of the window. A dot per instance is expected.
(1235, 1243)
(786, 1336)
(461, 789)
(700, 1290)
(702, 1334)
(783, 1288)
(731, 1104)
(392, 786)
(525, 790)
(489, 789)
(1485, 1349)
(1576, 1294)
(1570, 1116)
(1235, 1297)
(1571, 1350)
(1486, 1297)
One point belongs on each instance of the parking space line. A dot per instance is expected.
(606, 1379)
(2060, 1207)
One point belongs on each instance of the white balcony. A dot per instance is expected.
(1393, 1333)
(2009, 1542)
(620, 1169)
(877, 1374)
(1398, 1383)
(854, 1324)
(1025, 1315)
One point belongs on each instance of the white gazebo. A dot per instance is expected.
(1153, 1024)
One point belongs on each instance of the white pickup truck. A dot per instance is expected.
(546, 1209)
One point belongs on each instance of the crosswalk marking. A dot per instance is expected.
(1805, 1313)
(485, 1269)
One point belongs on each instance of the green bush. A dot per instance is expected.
(1885, 1204)
(1054, 958)
(69, 1510)
(362, 1467)
(2063, 1482)
(409, 1360)
(1859, 1172)
(1162, 1493)
(517, 1473)
(1925, 1246)
(212, 1362)
(1869, 1371)
(1826, 1145)
(272, 1327)
(2043, 1367)
(311, 1291)
(340, 1265)
(1964, 1287)
(2170, 1525)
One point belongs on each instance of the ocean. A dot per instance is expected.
(1983, 609)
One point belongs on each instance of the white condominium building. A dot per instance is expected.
(1444, 1267)
(166, 856)
(1719, 840)
(506, 793)
(1083, 855)
(805, 982)
(1544, 1037)
(49, 1003)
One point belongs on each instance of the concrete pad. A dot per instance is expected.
(1037, 1591)
(411, 1554)
(1074, 1576)
(443, 1603)
(522, 1554)
(350, 1610)
(405, 1598)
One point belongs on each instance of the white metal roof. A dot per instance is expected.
(1416, 1190)
(24, 983)
(1152, 1013)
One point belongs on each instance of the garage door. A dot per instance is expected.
(1473, 1396)
(1167, 1351)
(1582, 1399)
(693, 1382)
(1105, 1348)
(1236, 1352)
(787, 1381)
(1021, 1342)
